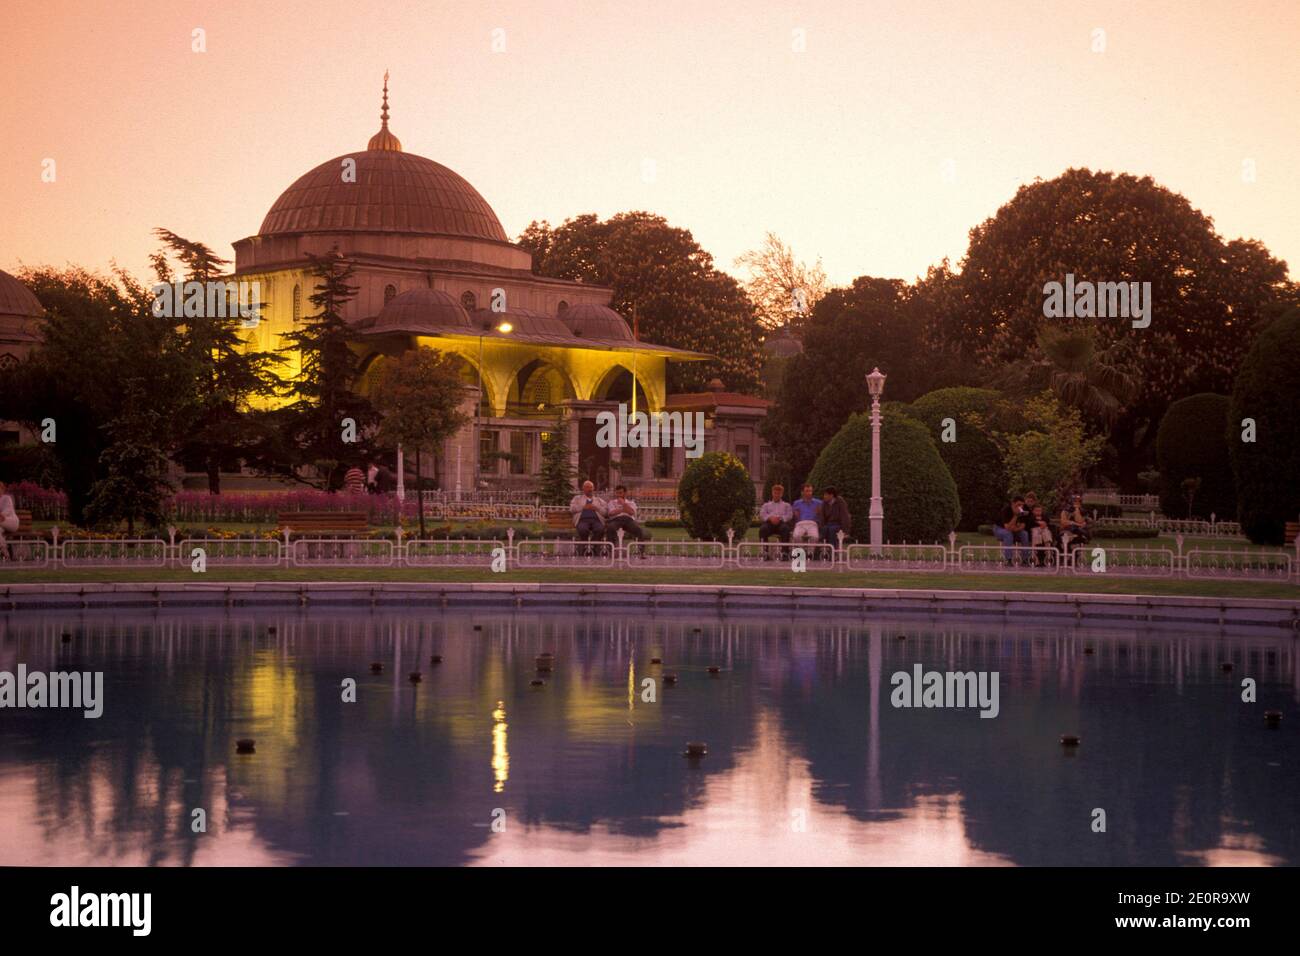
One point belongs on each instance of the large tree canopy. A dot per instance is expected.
(1206, 294)
(680, 299)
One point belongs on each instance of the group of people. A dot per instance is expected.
(808, 519)
(598, 519)
(8, 522)
(1024, 523)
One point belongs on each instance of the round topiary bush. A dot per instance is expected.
(919, 495)
(1192, 443)
(1267, 470)
(716, 493)
(974, 461)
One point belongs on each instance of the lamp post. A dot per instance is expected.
(505, 328)
(876, 385)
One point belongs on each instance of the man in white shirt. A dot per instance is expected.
(620, 512)
(775, 517)
(588, 514)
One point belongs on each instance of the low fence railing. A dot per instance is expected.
(199, 554)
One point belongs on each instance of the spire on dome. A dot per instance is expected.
(384, 139)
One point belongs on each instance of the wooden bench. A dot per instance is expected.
(559, 521)
(316, 522)
(24, 525)
(1292, 529)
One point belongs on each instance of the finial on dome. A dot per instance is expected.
(384, 139)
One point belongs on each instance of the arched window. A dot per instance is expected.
(561, 308)
(469, 301)
(297, 304)
(389, 292)
(8, 363)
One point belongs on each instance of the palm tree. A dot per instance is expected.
(1069, 363)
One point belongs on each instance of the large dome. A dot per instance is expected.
(394, 192)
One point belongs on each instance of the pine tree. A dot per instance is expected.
(555, 478)
(326, 424)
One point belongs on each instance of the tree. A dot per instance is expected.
(98, 337)
(227, 375)
(1050, 454)
(1207, 295)
(715, 493)
(920, 496)
(556, 476)
(783, 289)
(419, 398)
(327, 424)
(134, 484)
(972, 456)
(659, 271)
(1083, 376)
(871, 324)
(1263, 432)
(1192, 443)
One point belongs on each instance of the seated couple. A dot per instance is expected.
(808, 519)
(595, 519)
(1024, 523)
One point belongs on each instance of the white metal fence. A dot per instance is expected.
(1094, 559)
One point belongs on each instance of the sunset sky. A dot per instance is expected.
(840, 150)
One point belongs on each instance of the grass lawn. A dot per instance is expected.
(1092, 584)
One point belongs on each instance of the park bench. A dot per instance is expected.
(24, 525)
(1292, 529)
(319, 522)
(559, 521)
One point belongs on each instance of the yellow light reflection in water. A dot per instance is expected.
(500, 753)
(631, 684)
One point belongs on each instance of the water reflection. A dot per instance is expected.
(808, 762)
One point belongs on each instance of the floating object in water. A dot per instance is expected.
(1226, 666)
(1272, 717)
(478, 627)
(376, 667)
(435, 659)
(271, 629)
(415, 677)
(656, 660)
(901, 637)
(537, 682)
(1069, 740)
(715, 669)
(67, 638)
(698, 630)
(1088, 649)
(670, 678)
(245, 746)
(696, 749)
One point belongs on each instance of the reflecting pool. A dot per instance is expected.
(808, 761)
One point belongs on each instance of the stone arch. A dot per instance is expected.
(538, 387)
(616, 386)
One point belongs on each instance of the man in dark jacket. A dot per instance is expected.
(835, 517)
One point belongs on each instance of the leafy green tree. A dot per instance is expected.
(716, 493)
(918, 492)
(1051, 453)
(227, 375)
(973, 457)
(419, 397)
(557, 474)
(327, 423)
(133, 485)
(98, 337)
(680, 299)
(1192, 444)
(1207, 294)
(1267, 470)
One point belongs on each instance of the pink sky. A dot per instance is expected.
(840, 150)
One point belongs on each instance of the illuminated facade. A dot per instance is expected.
(20, 316)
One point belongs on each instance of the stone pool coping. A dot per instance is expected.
(714, 598)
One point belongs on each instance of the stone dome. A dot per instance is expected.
(17, 299)
(589, 321)
(422, 312)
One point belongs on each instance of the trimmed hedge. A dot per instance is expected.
(1267, 470)
(919, 494)
(714, 494)
(1192, 443)
(973, 459)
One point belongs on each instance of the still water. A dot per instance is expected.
(808, 762)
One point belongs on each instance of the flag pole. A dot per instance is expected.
(635, 335)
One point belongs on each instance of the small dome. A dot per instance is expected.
(783, 343)
(522, 321)
(422, 312)
(17, 299)
(596, 322)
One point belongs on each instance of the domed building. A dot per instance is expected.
(20, 315)
(435, 268)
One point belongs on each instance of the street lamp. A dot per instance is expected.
(876, 386)
(505, 328)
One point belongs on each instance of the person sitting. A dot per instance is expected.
(1009, 529)
(835, 517)
(620, 513)
(588, 512)
(1040, 535)
(807, 517)
(1074, 523)
(776, 517)
(8, 522)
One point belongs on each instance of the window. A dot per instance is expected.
(389, 292)
(487, 452)
(742, 452)
(561, 308)
(521, 447)
(469, 301)
(631, 463)
(297, 304)
(663, 462)
(8, 363)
